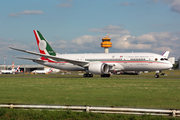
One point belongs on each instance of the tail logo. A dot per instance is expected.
(42, 45)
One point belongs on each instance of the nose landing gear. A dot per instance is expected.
(156, 75)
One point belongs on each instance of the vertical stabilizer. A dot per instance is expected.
(43, 45)
(165, 54)
(50, 70)
(17, 69)
(13, 66)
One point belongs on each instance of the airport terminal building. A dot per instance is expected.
(23, 68)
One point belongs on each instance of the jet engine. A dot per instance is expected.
(98, 68)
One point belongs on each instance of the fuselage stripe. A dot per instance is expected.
(129, 62)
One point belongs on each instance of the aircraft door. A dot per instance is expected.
(126, 65)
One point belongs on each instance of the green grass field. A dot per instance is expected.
(13, 114)
(119, 90)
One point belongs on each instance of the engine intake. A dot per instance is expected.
(98, 68)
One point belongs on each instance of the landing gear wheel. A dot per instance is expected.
(88, 75)
(85, 75)
(156, 76)
(105, 75)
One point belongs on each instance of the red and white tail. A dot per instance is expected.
(50, 70)
(13, 66)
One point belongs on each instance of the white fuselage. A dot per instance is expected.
(40, 71)
(7, 71)
(118, 61)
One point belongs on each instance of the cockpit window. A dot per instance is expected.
(163, 59)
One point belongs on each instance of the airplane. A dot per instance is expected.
(42, 71)
(98, 63)
(12, 71)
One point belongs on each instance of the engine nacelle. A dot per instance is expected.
(98, 68)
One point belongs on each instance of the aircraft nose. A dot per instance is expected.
(170, 65)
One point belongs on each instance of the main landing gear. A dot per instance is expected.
(91, 75)
(105, 75)
(88, 75)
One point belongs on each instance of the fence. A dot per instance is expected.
(96, 109)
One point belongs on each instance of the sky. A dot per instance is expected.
(78, 26)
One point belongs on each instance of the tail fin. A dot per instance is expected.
(50, 70)
(13, 66)
(165, 54)
(43, 45)
(17, 69)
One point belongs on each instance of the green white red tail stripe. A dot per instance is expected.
(43, 45)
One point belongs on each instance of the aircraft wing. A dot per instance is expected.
(75, 62)
(29, 59)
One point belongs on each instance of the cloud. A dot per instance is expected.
(26, 12)
(13, 14)
(161, 41)
(66, 4)
(162, 49)
(154, 37)
(126, 42)
(82, 44)
(119, 41)
(174, 4)
(33, 12)
(111, 29)
(146, 38)
(126, 3)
